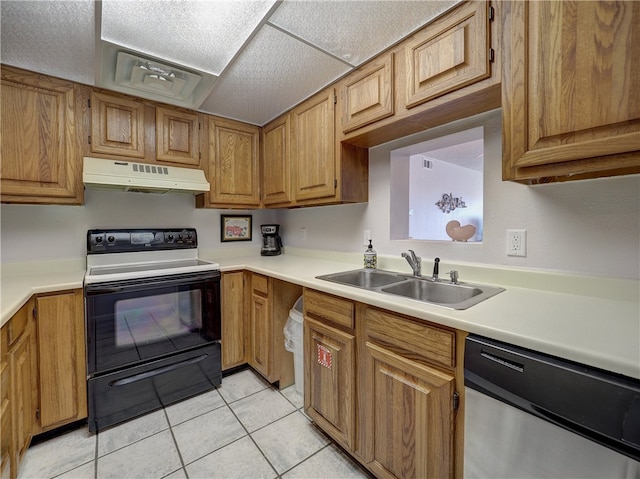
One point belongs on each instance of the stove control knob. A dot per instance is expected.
(98, 239)
(111, 239)
(189, 236)
(179, 237)
(170, 237)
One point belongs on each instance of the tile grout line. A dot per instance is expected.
(175, 442)
(95, 467)
(247, 431)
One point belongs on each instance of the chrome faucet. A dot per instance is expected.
(414, 261)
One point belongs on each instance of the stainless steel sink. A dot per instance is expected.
(455, 296)
(365, 278)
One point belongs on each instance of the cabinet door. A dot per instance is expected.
(261, 327)
(233, 164)
(39, 126)
(6, 423)
(452, 53)
(367, 94)
(62, 364)
(233, 325)
(409, 417)
(571, 90)
(177, 137)
(117, 126)
(21, 357)
(313, 147)
(329, 396)
(276, 163)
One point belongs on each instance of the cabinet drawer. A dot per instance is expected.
(260, 283)
(17, 325)
(419, 340)
(326, 307)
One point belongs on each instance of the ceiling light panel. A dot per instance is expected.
(356, 30)
(55, 38)
(273, 74)
(204, 35)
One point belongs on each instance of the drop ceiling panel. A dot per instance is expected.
(203, 35)
(273, 73)
(355, 30)
(56, 38)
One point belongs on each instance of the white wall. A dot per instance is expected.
(590, 226)
(426, 188)
(32, 232)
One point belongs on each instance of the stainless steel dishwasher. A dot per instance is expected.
(530, 415)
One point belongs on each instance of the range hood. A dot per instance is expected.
(98, 173)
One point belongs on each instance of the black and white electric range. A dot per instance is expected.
(152, 312)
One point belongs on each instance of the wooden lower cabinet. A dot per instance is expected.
(234, 331)
(261, 327)
(61, 359)
(330, 382)
(21, 357)
(19, 396)
(269, 305)
(387, 389)
(43, 372)
(5, 418)
(409, 417)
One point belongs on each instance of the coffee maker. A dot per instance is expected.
(271, 242)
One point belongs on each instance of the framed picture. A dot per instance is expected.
(235, 228)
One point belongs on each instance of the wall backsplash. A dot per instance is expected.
(31, 232)
(590, 227)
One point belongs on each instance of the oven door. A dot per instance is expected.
(136, 321)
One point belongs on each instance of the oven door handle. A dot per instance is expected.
(155, 372)
(146, 283)
(105, 289)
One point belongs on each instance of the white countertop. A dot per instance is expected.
(595, 321)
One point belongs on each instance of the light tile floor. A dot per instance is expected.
(244, 429)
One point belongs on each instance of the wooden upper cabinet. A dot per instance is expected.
(313, 147)
(233, 164)
(41, 152)
(177, 136)
(117, 125)
(571, 90)
(367, 94)
(451, 53)
(276, 162)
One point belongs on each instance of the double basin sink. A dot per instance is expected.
(443, 293)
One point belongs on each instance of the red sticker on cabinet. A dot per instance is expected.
(324, 356)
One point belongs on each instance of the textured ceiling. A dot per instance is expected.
(262, 57)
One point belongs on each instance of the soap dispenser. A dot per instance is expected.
(370, 257)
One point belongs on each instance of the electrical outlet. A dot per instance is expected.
(516, 242)
(303, 234)
(366, 236)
